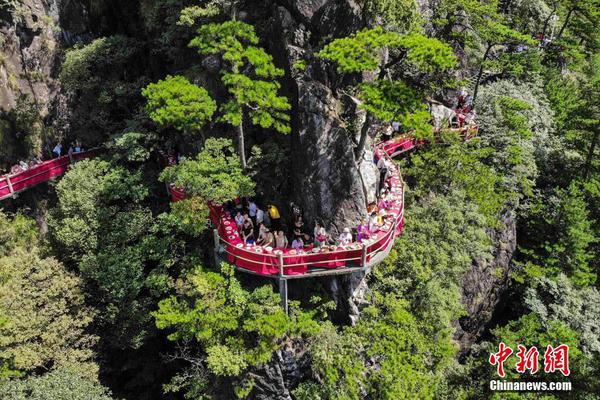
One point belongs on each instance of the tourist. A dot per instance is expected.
(248, 232)
(78, 148)
(383, 204)
(252, 209)
(281, 241)
(345, 237)
(320, 235)
(238, 204)
(373, 223)
(274, 215)
(260, 215)
(362, 231)
(262, 234)
(298, 244)
(57, 149)
(269, 239)
(298, 224)
(70, 152)
(382, 166)
(23, 165)
(239, 220)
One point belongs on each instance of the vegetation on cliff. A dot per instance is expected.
(109, 292)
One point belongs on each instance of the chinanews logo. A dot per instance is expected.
(555, 359)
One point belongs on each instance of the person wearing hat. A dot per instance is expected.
(346, 237)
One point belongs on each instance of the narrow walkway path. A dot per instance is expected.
(12, 184)
(327, 260)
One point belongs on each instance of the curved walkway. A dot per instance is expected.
(327, 260)
(287, 263)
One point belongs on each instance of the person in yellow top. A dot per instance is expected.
(275, 216)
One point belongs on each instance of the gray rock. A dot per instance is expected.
(484, 285)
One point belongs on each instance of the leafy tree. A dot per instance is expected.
(249, 75)
(516, 120)
(223, 330)
(384, 98)
(60, 384)
(397, 15)
(178, 103)
(215, 175)
(569, 236)
(459, 167)
(443, 235)
(102, 226)
(481, 27)
(44, 314)
(103, 79)
(560, 300)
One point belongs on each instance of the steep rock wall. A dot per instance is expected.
(326, 180)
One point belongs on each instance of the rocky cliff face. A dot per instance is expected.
(483, 286)
(28, 52)
(327, 181)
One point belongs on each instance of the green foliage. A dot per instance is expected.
(397, 15)
(516, 121)
(103, 79)
(458, 165)
(252, 92)
(79, 70)
(60, 384)
(178, 103)
(443, 235)
(101, 225)
(388, 335)
(234, 328)
(426, 54)
(214, 175)
(396, 101)
(579, 308)
(44, 316)
(566, 246)
(360, 51)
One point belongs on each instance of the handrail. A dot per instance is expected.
(44, 168)
(277, 259)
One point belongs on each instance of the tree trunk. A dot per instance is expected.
(562, 28)
(364, 134)
(241, 144)
(590, 155)
(480, 73)
(547, 21)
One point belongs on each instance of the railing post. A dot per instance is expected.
(280, 260)
(363, 258)
(10, 186)
(217, 240)
(283, 289)
(283, 294)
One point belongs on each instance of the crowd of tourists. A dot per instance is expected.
(25, 165)
(263, 226)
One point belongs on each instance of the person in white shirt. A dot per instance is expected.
(239, 220)
(260, 215)
(346, 237)
(281, 241)
(373, 223)
(252, 209)
(320, 235)
(57, 149)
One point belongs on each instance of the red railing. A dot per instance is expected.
(11, 184)
(284, 263)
